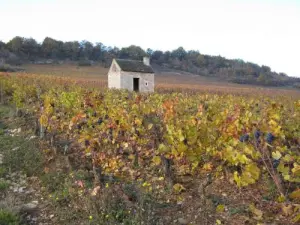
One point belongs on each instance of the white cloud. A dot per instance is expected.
(264, 32)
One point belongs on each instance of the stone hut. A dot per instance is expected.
(132, 75)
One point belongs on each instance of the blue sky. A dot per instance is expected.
(261, 31)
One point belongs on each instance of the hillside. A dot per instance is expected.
(27, 50)
(73, 155)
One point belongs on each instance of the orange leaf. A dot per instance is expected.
(295, 194)
(46, 170)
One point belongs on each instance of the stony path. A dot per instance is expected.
(20, 194)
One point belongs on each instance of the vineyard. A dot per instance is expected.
(170, 142)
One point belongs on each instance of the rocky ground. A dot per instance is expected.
(21, 198)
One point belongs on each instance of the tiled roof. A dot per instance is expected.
(134, 66)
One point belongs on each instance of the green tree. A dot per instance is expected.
(98, 51)
(179, 53)
(265, 69)
(200, 60)
(263, 78)
(15, 45)
(30, 47)
(68, 49)
(75, 50)
(86, 49)
(132, 52)
(50, 48)
(149, 52)
(2, 45)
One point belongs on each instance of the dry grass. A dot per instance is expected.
(69, 70)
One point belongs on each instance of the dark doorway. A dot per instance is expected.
(136, 84)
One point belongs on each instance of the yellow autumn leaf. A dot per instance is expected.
(249, 175)
(237, 178)
(276, 117)
(125, 144)
(156, 160)
(287, 158)
(296, 169)
(276, 155)
(162, 148)
(258, 214)
(146, 184)
(296, 218)
(43, 120)
(194, 165)
(286, 177)
(281, 198)
(287, 210)
(150, 126)
(138, 122)
(207, 166)
(273, 123)
(178, 188)
(131, 156)
(181, 137)
(220, 208)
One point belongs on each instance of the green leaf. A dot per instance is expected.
(287, 158)
(249, 175)
(283, 169)
(162, 148)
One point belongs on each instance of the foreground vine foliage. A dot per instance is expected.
(156, 138)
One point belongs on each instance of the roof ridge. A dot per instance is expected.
(134, 66)
(129, 60)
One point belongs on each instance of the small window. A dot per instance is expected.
(146, 83)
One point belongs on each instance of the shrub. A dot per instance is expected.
(26, 157)
(8, 218)
(297, 85)
(3, 185)
(84, 63)
(9, 68)
(12, 59)
(6, 68)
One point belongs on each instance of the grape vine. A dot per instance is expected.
(146, 137)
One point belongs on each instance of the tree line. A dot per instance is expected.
(23, 50)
